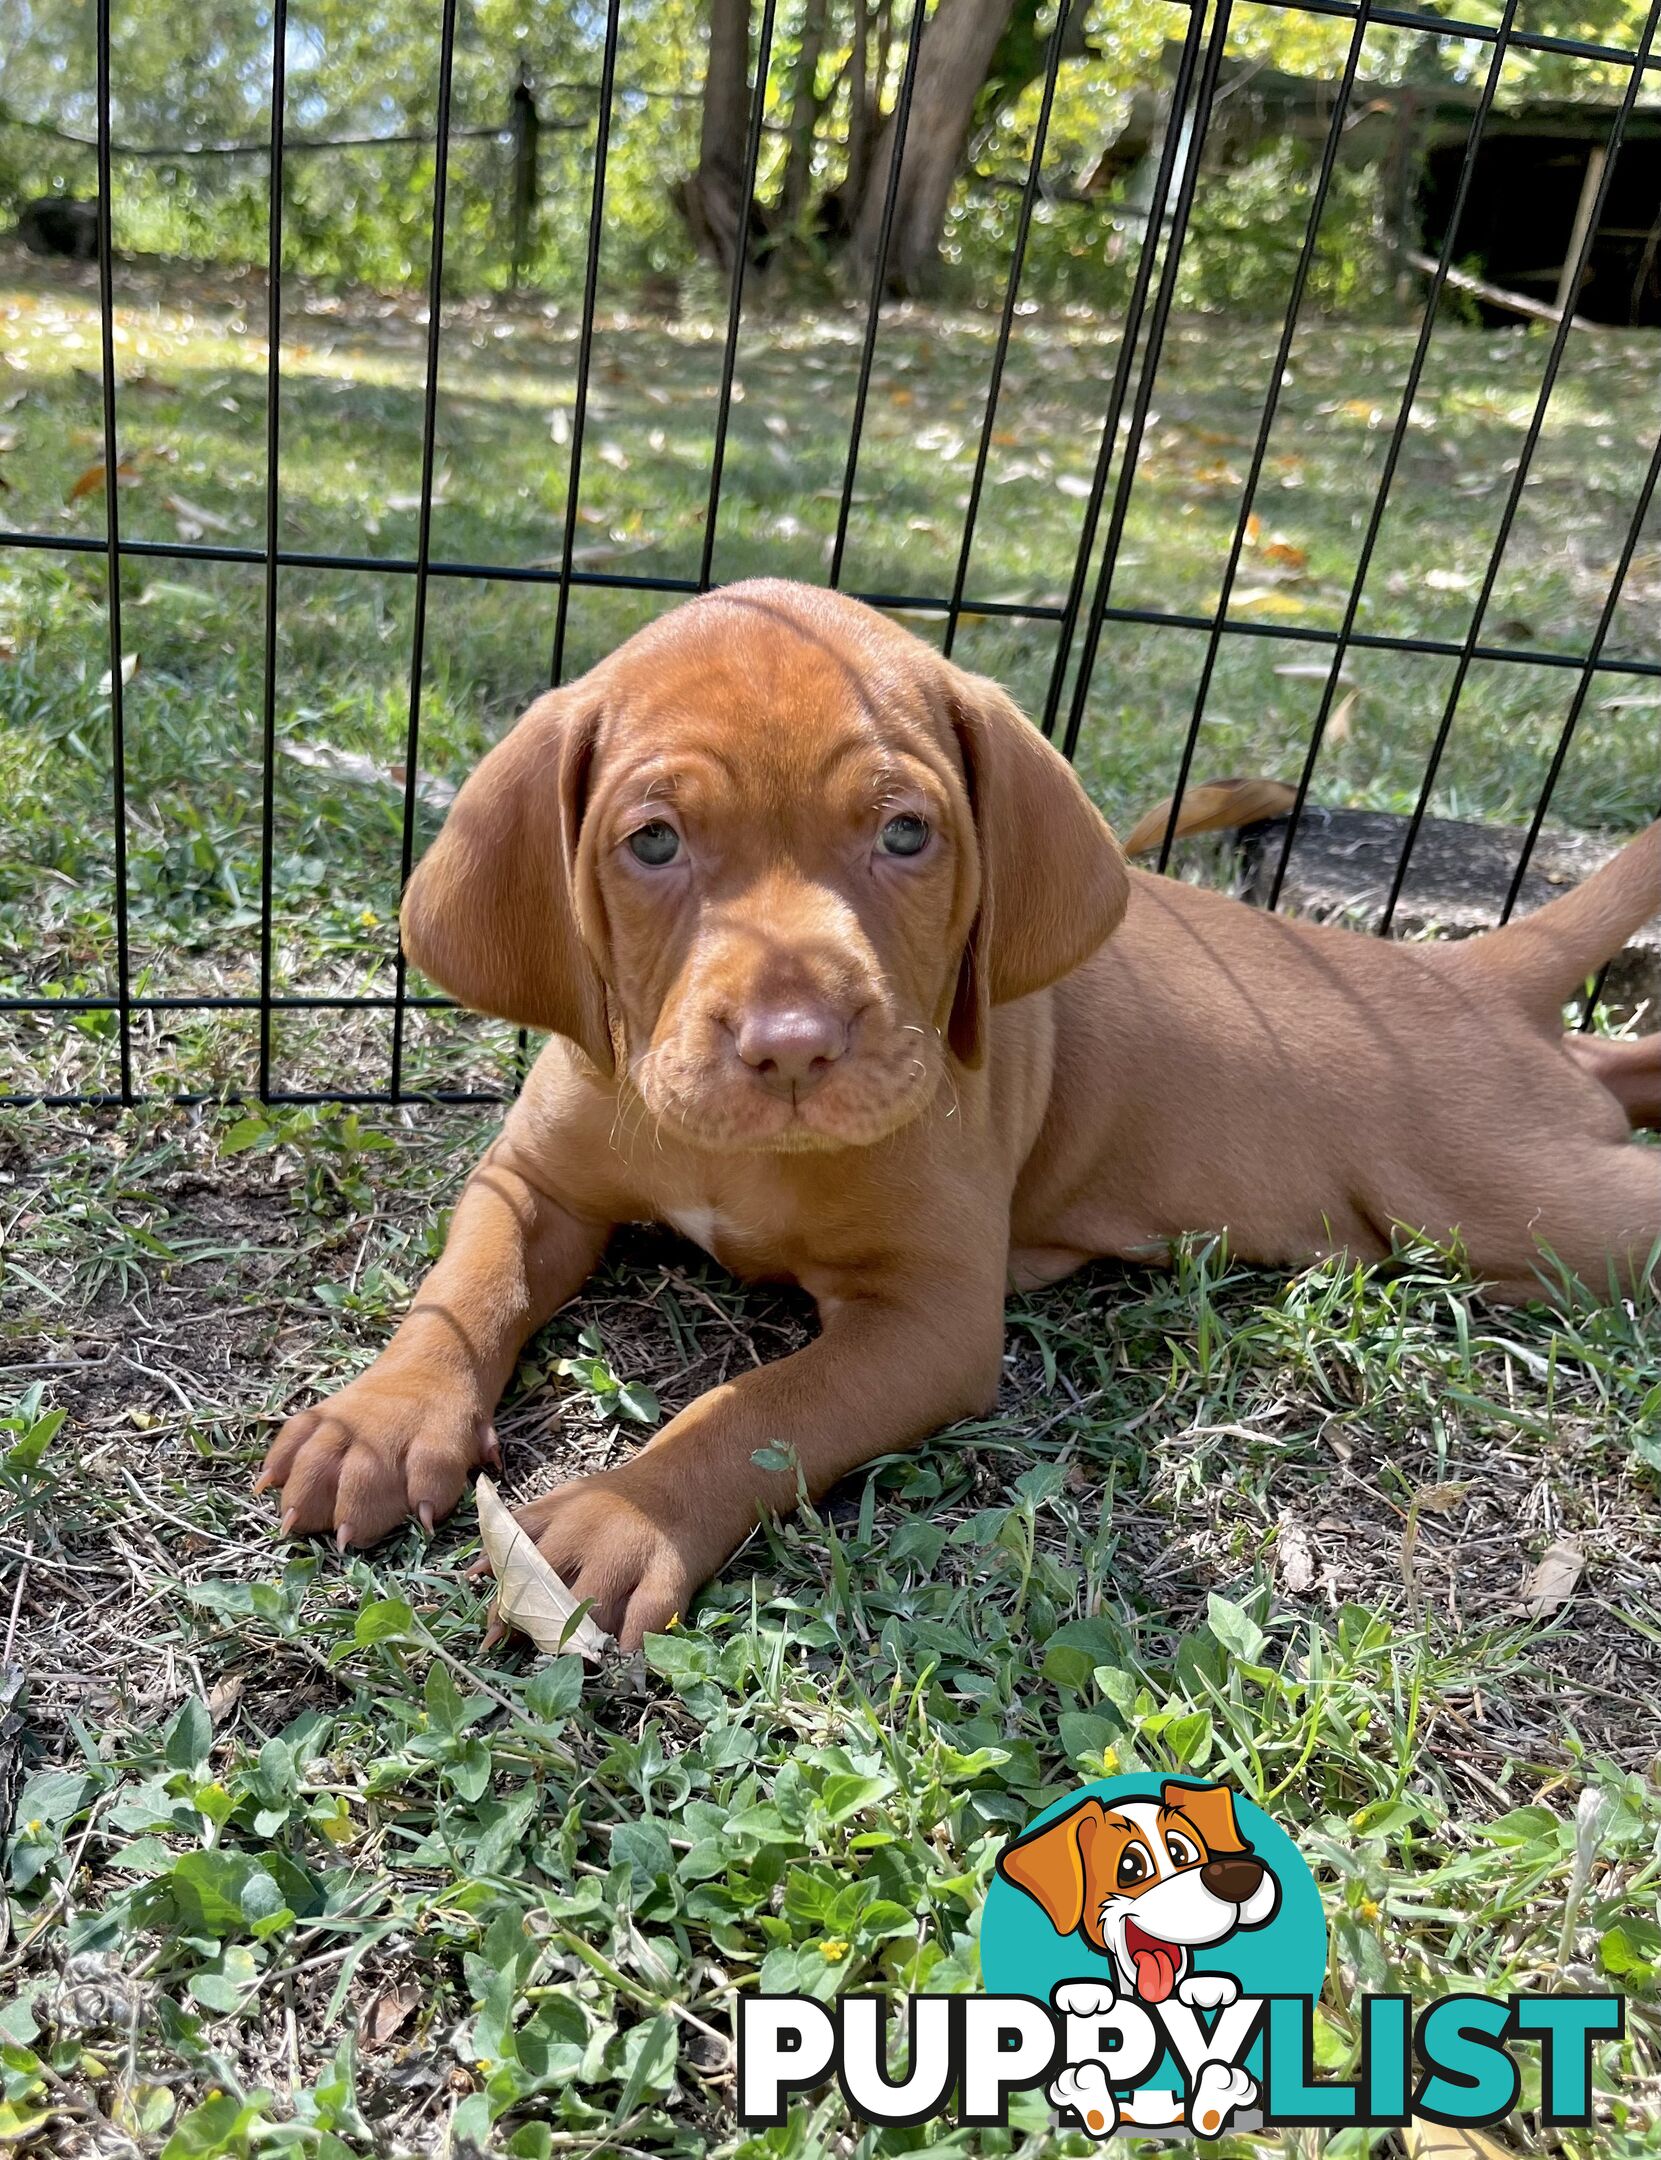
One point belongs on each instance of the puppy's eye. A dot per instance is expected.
(906, 834)
(655, 844)
(1182, 1853)
(1134, 1867)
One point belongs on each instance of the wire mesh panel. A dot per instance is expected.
(1158, 581)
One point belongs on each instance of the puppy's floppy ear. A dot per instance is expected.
(1210, 1810)
(1052, 1865)
(493, 913)
(1052, 878)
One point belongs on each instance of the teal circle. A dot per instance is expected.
(1021, 1953)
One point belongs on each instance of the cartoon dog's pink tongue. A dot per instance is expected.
(1156, 1963)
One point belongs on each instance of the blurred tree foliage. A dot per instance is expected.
(196, 73)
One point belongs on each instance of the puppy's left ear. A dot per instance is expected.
(1053, 882)
(494, 912)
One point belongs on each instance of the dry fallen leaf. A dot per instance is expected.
(1295, 1558)
(529, 1595)
(1449, 2141)
(1550, 1582)
(1338, 727)
(90, 482)
(193, 520)
(353, 765)
(388, 2014)
(1213, 806)
(129, 668)
(1287, 556)
(224, 1696)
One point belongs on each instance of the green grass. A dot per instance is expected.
(293, 1865)
(1273, 1531)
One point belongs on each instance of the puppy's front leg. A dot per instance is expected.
(887, 1371)
(401, 1438)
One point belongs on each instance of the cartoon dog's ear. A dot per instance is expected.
(1053, 1864)
(492, 913)
(1053, 882)
(1210, 1808)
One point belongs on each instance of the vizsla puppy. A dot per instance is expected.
(821, 928)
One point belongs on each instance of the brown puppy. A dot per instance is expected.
(821, 927)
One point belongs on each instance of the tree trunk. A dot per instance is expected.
(712, 199)
(957, 50)
(804, 114)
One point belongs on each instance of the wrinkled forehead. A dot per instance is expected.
(770, 710)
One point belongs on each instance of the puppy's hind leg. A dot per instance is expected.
(1630, 1070)
(1599, 1217)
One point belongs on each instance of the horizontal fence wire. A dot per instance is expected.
(1080, 616)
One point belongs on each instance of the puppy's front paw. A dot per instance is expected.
(1220, 2090)
(1209, 1991)
(1084, 1998)
(1085, 2092)
(618, 1542)
(393, 1443)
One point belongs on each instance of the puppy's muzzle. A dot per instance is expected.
(790, 1048)
(1234, 1879)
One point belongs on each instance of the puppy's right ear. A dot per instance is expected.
(1052, 1865)
(493, 913)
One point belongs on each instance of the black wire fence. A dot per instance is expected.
(1078, 620)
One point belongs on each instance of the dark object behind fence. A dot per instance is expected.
(1199, 68)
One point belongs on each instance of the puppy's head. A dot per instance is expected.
(771, 862)
(1146, 1882)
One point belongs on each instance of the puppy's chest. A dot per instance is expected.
(743, 1231)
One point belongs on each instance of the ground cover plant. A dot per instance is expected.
(293, 1865)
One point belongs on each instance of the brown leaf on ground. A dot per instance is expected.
(529, 1595)
(388, 2014)
(1295, 1558)
(129, 668)
(192, 520)
(1212, 806)
(1552, 1580)
(224, 1696)
(92, 480)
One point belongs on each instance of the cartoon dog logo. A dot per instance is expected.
(1146, 1883)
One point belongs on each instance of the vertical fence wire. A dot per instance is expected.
(1147, 260)
(1006, 321)
(879, 276)
(1585, 679)
(735, 296)
(1398, 439)
(1141, 404)
(585, 339)
(112, 539)
(273, 508)
(1519, 477)
(424, 532)
(1594, 996)
(1266, 423)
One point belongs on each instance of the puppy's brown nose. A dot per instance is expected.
(790, 1048)
(1234, 1879)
